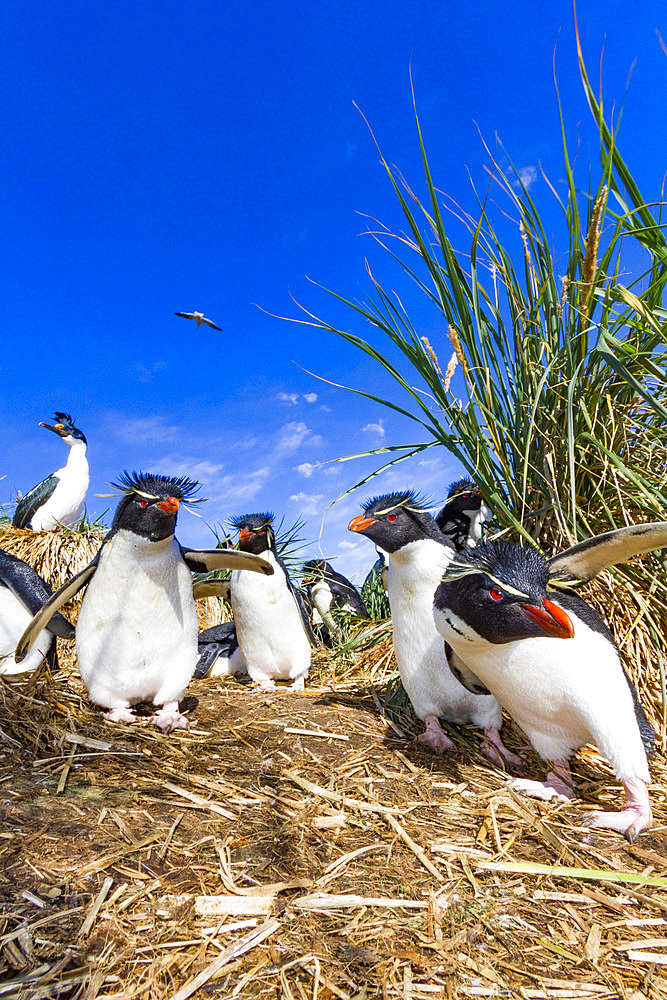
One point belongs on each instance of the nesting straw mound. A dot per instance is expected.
(304, 847)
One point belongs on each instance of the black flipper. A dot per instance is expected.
(463, 673)
(582, 562)
(220, 640)
(31, 590)
(206, 560)
(33, 500)
(45, 614)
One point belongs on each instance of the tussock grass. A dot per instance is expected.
(554, 398)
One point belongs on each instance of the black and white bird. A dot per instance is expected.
(219, 652)
(330, 591)
(272, 623)
(418, 555)
(505, 609)
(136, 635)
(60, 499)
(22, 594)
(463, 516)
(200, 318)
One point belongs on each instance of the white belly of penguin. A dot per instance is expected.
(136, 637)
(414, 574)
(269, 628)
(14, 619)
(563, 693)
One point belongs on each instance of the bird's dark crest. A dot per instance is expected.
(516, 567)
(408, 499)
(153, 487)
(63, 418)
(462, 487)
(252, 521)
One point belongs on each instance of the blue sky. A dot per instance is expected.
(209, 156)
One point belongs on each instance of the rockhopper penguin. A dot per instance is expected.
(136, 636)
(418, 555)
(61, 497)
(463, 516)
(331, 591)
(272, 625)
(505, 609)
(22, 594)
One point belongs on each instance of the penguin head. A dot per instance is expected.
(464, 495)
(256, 533)
(149, 504)
(315, 570)
(498, 592)
(463, 515)
(394, 520)
(64, 428)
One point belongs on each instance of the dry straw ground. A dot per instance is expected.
(305, 847)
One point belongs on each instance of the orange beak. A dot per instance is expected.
(360, 523)
(552, 620)
(244, 535)
(170, 505)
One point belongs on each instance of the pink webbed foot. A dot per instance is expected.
(495, 750)
(169, 718)
(298, 684)
(558, 786)
(434, 736)
(120, 715)
(264, 684)
(632, 820)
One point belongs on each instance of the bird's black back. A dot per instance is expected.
(33, 500)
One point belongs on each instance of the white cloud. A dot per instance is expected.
(293, 435)
(152, 430)
(305, 469)
(325, 408)
(308, 503)
(347, 545)
(528, 176)
(310, 397)
(200, 470)
(377, 428)
(288, 397)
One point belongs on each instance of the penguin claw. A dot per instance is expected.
(169, 718)
(434, 735)
(298, 685)
(125, 715)
(629, 822)
(541, 790)
(495, 750)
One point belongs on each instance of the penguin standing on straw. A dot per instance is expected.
(136, 636)
(506, 610)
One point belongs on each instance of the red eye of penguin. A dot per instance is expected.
(496, 594)
(391, 517)
(143, 503)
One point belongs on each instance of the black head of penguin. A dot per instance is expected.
(149, 505)
(255, 533)
(396, 519)
(499, 589)
(462, 495)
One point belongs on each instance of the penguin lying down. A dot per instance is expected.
(136, 636)
(504, 609)
(22, 594)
